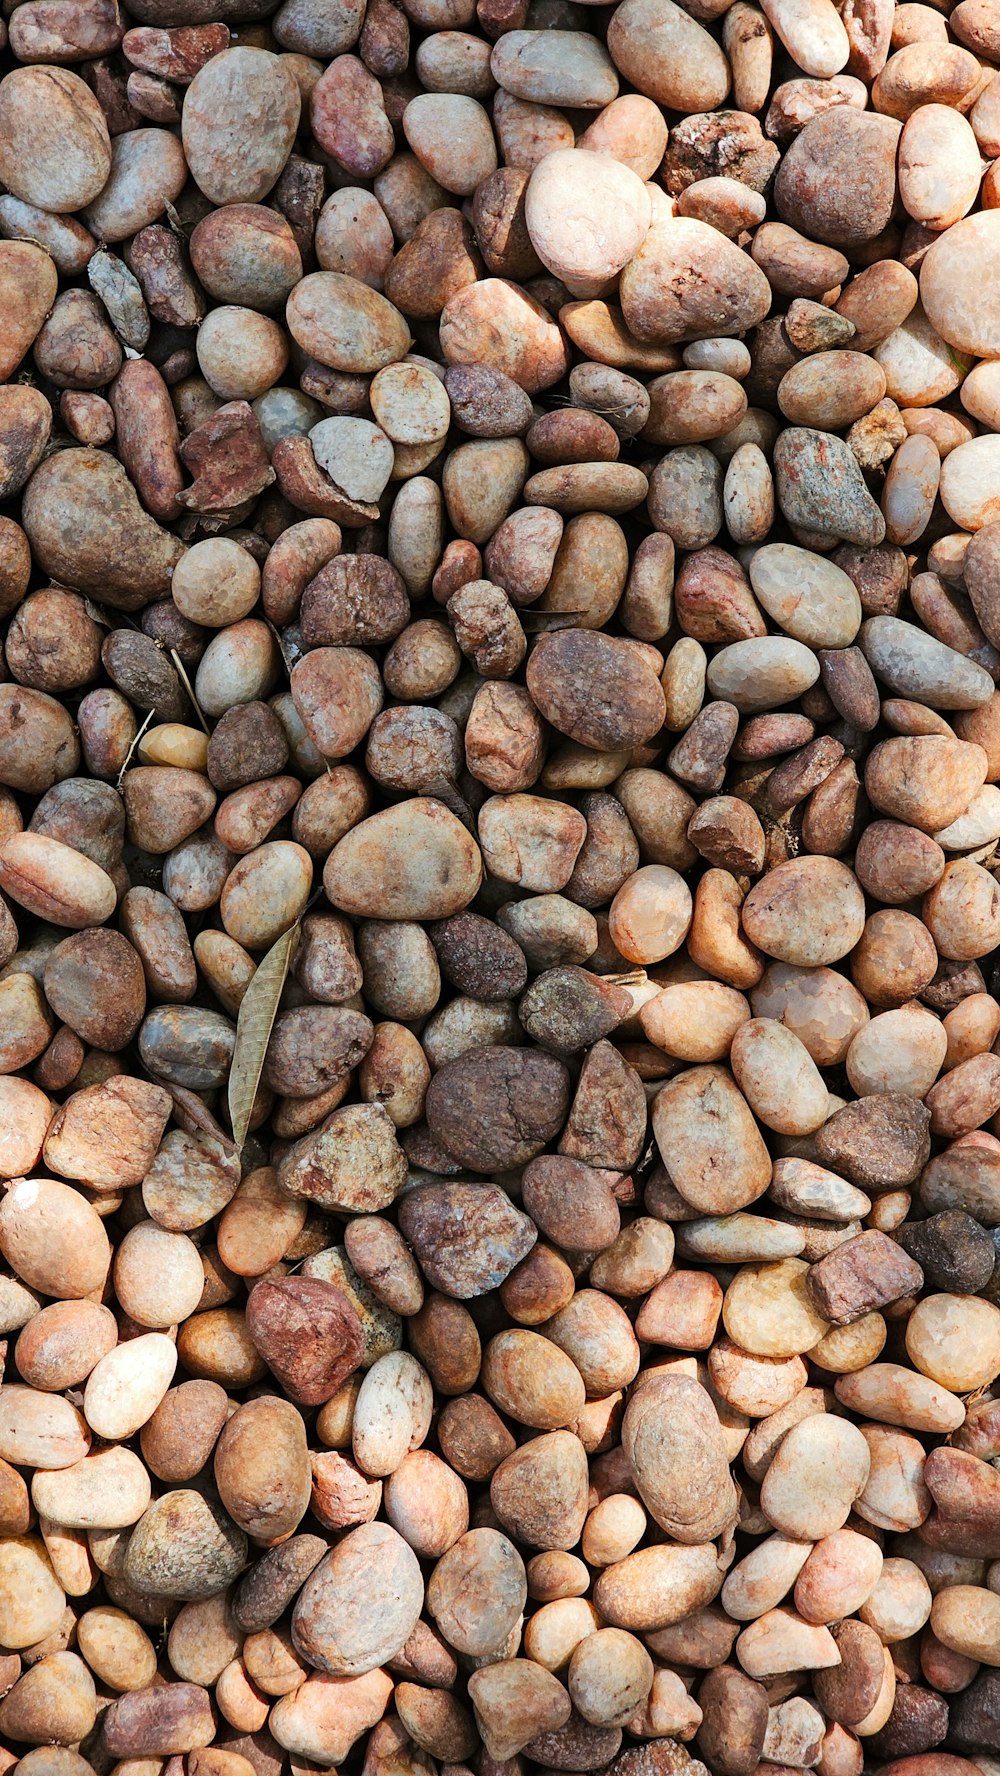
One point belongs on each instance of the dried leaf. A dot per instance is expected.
(253, 1030)
(444, 791)
(190, 1109)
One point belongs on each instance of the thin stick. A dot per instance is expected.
(128, 755)
(186, 682)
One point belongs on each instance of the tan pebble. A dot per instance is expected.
(900, 1603)
(966, 1619)
(772, 922)
(838, 1577)
(695, 1118)
(967, 483)
(668, 56)
(898, 1396)
(760, 1581)
(955, 1340)
(661, 1445)
(657, 1586)
(516, 1701)
(768, 1312)
(781, 1641)
(107, 1490)
(40, 1430)
(53, 1238)
(811, 598)
(778, 1077)
(477, 1591)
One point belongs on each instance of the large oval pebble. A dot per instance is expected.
(413, 861)
(811, 598)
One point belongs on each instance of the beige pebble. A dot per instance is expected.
(819, 1469)
(889, 1393)
(668, 56)
(762, 672)
(568, 188)
(955, 1341)
(966, 1618)
(125, 1388)
(778, 1077)
(812, 33)
(781, 1641)
(900, 1603)
(814, 600)
(40, 1430)
(107, 1490)
(699, 1116)
(968, 482)
(768, 1311)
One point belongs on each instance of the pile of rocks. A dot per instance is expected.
(499, 807)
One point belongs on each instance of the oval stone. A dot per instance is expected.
(411, 861)
(361, 1603)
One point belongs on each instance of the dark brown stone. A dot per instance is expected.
(494, 1108)
(848, 1691)
(863, 1274)
(577, 1746)
(265, 1592)
(880, 1142)
(954, 1252)
(975, 1718)
(918, 1722)
(732, 1731)
(606, 1125)
(478, 957)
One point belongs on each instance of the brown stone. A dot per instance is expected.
(865, 1273)
(308, 1333)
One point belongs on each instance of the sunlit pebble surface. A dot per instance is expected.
(499, 796)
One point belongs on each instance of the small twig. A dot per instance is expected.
(186, 682)
(128, 756)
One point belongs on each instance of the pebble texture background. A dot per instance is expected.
(499, 808)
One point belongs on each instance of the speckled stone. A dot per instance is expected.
(955, 1253)
(918, 1722)
(467, 1237)
(880, 1142)
(820, 487)
(975, 1715)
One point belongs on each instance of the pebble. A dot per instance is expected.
(911, 663)
(956, 1254)
(819, 488)
(812, 599)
